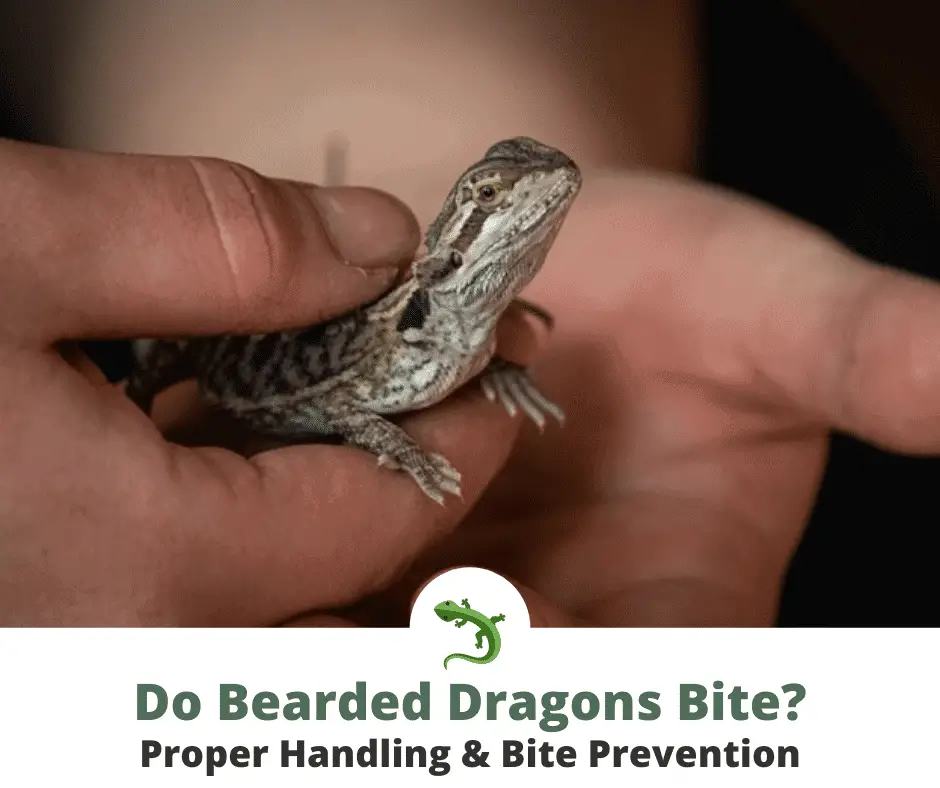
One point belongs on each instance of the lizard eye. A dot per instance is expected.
(489, 195)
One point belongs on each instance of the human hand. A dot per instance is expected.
(705, 348)
(102, 520)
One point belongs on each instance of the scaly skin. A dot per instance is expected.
(486, 629)
(411, 347)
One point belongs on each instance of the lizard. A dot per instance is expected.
(486, 629)
(429, 334)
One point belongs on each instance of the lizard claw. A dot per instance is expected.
(512, 386)
(386, 461)
(433, 472)
(489, 390)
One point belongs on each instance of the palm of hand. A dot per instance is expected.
(704, 348)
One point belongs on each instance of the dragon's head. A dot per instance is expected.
(446, 611)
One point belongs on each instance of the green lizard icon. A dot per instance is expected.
(450, 611)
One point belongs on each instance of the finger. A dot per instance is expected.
(320, 527)
(536, 311)
(521, 334)
(854, 344)
(681, 602)
(747, 296)
(543, 612)
(654, 559)
(78, 360)
(102, 245)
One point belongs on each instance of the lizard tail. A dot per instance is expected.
(477, 660)
(487, 657)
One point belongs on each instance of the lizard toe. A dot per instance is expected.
(515, 389)
(443, 466)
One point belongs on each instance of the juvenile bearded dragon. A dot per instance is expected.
(410, 348)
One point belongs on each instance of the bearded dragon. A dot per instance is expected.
(408, 349)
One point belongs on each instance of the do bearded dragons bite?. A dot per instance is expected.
(410, 348)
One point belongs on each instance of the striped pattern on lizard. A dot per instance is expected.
(410, 348)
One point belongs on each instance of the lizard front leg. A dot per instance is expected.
(397, 450)
(512, 385)
(392, 447)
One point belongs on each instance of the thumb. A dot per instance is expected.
(104, 246)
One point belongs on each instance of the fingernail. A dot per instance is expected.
(368, 227)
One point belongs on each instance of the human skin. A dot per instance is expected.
(105, 522)
(706, 346)
(721, 340)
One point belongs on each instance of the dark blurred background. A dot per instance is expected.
(820, 108)
(792, 123)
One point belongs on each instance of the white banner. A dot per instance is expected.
(349, 706)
